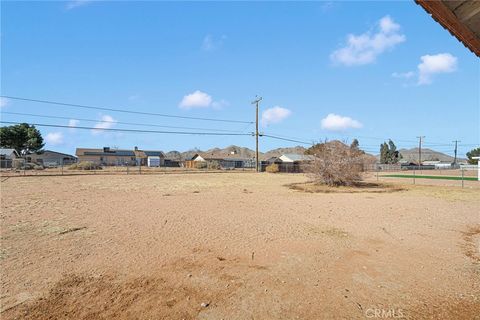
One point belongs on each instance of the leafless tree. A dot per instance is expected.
(336, 164)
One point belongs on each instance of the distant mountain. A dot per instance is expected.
(242, 152)
(411, 155)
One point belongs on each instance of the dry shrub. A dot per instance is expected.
(213, 165)
(200, 165)
(336, 164)
(273, 168)
(85, 165)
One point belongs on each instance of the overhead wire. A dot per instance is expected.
(132, 130)
(74, 105)
(114, 122)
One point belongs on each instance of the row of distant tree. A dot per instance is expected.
(26, 139)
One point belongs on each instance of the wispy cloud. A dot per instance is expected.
(210, 43)
(3, 102)
(403, 75)
(76, 3)
(335, 122)
(54, 138)
(199, 99)
(274, 115)
(365, 48)
(106, 122)
(73, 122)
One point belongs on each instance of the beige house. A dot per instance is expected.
(49, 158)
(118, 157)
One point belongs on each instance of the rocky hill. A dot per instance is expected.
(411, 155)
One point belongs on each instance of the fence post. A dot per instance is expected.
(62, 167)
(413, 176)
(462, 179)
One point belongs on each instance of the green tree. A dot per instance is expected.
(389, 153)
(473, 153)
(23, 137)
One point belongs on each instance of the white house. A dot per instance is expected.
(293, 157)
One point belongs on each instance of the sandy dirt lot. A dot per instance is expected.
(235, 246)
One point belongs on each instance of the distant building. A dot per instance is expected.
(49, 158)
(293, 157)
(118, 157)
(7, 157)
(230, 161)
(290, 162)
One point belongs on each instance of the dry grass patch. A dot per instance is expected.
(358, 187)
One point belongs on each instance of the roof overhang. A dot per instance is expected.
(460, 17)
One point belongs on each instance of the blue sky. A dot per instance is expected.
(335, 70)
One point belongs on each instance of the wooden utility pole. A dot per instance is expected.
(455, 159)
(420, 149)
(256, 102)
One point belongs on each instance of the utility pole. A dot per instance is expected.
(256, 102)
(420, 149)
(455, 159)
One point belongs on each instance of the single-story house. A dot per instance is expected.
(290, 162)
(115, 157)
(49, 158)
(293, 157)
(438, 164)
(142, 156)
(230, 161)
(7, 157)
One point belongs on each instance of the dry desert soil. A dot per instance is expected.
(235, 246)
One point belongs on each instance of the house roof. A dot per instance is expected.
(152, 153)
(101, 152)
(227, 157)
(118, 152)
(460, 17)
(8, 152)
(59, 153)
(296, 157)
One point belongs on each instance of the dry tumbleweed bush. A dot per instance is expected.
(336, 164)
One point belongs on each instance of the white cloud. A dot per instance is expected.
(73, 122)
(433, 64)
(335, 122)
(197, 99)
(106, 122)
(76, 3)
(209, 43)
(365, 48)
(3, 102)
(403, 75)
(54, 138)
(274, 115)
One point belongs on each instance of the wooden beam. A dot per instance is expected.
(467, 10)
(443, 15)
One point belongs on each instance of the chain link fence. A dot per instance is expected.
(21, 167)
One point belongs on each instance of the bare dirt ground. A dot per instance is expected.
(244, 245)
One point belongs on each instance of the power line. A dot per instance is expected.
(115, 122)
(133, 130)
(285, 139)
(122, 110)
